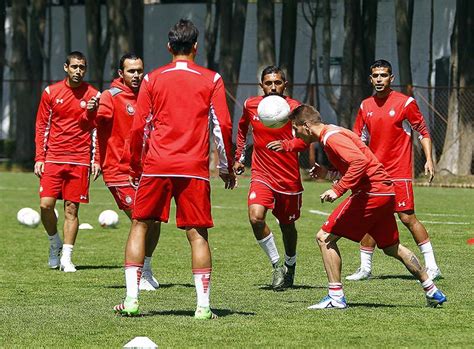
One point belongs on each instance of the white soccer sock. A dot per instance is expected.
(133, 273)
(67, 252)
(268, 245)
(429, 287)
(290, 261)
(202, 282)
(147, 263)
(335, 290)
(54, 240)
(366, 254)
(427, 250)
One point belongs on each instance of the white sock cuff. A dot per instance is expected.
(368, 250)
(266, 238)
(290, 261)
(425, 246)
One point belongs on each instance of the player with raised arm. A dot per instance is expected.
(369, 208)
(385, 122)
(63, 157)
(179, 99)
(113, 121)
(276, 182)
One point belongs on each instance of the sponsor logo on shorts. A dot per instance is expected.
(130, 109)
(128, 199)
(391, 113)
(402, 204)
(41, 189)
(83, 197)
(292, 217)
(83, 104)
(326, 223)
(252, 195)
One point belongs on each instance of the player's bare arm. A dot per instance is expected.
(95, 171)
(429, 166)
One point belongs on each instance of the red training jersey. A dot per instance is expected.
(59, 137)
(278, 170)
(113, 120)
(180, 100)
(385, 124)
(360, 169)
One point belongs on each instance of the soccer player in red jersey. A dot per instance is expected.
(63, 157)
(180, 99)
(276, 182)
(385, 122)
(369, 208)
(113, 122)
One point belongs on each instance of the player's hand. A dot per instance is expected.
(229, 180)
(275, 146)
(429, 169)
(239, 168)
(133, 181)
(315, 171)
(329, 196)
(93, 103)
(39, 168)
(95, 171)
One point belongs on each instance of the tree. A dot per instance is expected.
(265, 34)
(210, 38)
(288, 40)
(27, 68)
(310, 14)
(67, 26)
(403, 25)
(2, 51)
(457, 154)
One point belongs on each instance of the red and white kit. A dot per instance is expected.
(370, 207)
(276, 182)
(113, 120)
(60, 140)
(179, 99)
(386, 125)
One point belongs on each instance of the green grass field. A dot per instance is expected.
(46, 308)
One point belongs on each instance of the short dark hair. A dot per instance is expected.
(305, 113)
(182, 36)
(129, 55)
(381, 63)
(75, 54)
(273, 69)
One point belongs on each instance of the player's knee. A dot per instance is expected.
(391, 251)
(321, 238)
(47, 206)
(257, 220)
(70, 210)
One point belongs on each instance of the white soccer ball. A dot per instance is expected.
(273, 111)
(29, 217)
(108, 219)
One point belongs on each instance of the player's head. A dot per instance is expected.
(273, 81)
(131, 70)
(302, 119)
(182, 38)
(75, 67)
(381, 76)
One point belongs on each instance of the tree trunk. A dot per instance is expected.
(265, 34)
(67, 26)
(2, 53)
(403, 24)
(310, 15)
(288, 40)
(210, 39)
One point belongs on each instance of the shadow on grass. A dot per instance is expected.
(373, 305)
(93, 267)
(294, 287)
(161, 286)
(400, 277)
(187, 313)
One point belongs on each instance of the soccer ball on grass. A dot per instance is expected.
(273, 111)
(108, 219)
(29, 217)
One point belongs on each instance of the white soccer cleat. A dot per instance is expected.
(360, 274)
(433, 274)
(330, 303)
(54, 254)
(67, 266)
(148, 281)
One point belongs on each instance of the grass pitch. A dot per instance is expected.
(46, 308)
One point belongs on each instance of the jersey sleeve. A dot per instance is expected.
(345, 149)
(413, 114)
(221, 126)
(144, 109)
(242, 132)
(42, 125)
(360, 128)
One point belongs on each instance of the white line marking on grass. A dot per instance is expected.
(321, 213)
(229, 207)
(443, 214)
(447, 223)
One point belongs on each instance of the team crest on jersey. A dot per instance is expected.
(130, 109)
(128, 199)
(252, 195)
(83, 104)
(391, 113)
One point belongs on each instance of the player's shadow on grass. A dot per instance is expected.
(161, 286)
(93, 267)
(371, 305)
(294, 287)
(189, 313)
(388, 277)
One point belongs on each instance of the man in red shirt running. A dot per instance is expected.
(276, 182)
(369, 209)
(113, 122)
(63, 157)
(385, 122)
(179, 99)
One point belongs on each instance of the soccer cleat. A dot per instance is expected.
(289, 276)
(360, 274)
(148, 281)
(67, 266)
(433, 274)
(204, 313)
(129, 307)
(278, 281)
(330, 303)
(438, 298)
(54, 255)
